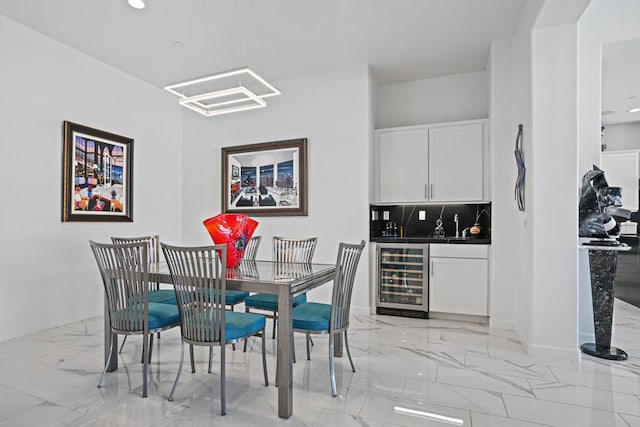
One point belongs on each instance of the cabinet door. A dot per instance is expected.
(459, 285)
(622, 170)
(402, 166)
(457, 163)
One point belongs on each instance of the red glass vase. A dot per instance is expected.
(234, 230)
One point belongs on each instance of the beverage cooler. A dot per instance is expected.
(402, 279)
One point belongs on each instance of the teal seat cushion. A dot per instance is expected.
(235, 297)
(165, 296)
(160, 315)
(312, 316)
(238, 325)
(270, 301)
(231, 297)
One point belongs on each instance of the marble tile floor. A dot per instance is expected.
(474, 375)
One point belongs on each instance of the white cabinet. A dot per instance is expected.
(456, 163)
(622, 169)
(432, 163)
(402, 168)
(459, 279)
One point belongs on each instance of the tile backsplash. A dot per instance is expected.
(406, 220)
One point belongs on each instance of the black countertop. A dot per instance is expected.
(454, 240)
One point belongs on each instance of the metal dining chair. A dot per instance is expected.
(125, 274)
(332, 319)
(200, 280)
(252, 248)
(163, 296)
(284, 250)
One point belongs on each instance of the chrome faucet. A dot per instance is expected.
(456, 219)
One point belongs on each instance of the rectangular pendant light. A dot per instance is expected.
(234, 90)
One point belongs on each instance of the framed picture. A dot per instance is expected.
(266, 179)
(97, 175)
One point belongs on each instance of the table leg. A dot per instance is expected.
(285, 354)
(113, 365)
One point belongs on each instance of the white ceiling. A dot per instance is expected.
(402, 40)
(620, 81)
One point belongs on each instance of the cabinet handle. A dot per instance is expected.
(431, 269)
(426, 193)
(431, 191)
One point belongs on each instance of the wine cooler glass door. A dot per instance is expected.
(403, 276)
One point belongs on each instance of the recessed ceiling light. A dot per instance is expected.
(634, 110)
(177, 44)
(136, 4)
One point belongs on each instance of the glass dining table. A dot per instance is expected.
(286, 280)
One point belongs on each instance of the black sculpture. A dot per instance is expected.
(600, 206)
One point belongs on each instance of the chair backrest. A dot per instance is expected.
(346, 267)
(152, 241)
(199, 279)
(252, 248)
(294, 250)
(125, 274)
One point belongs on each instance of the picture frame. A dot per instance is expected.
(97, 175)
(265, 179)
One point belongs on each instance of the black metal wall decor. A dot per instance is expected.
(519, 153)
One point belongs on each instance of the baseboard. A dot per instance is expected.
(361, 310)
(43, 324)
(587, 337)
(500, 323)
(459, 317)
(554, 352)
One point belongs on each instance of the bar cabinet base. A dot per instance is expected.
(402, 312)
(611, 353)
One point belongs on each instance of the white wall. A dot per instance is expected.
(555, 191)
(521, 92)
(602, 22)
(502, 136)
(332, 110)
(48, 276)
(441, 99)
(624, 136)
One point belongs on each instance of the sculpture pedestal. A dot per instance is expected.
(602, 265)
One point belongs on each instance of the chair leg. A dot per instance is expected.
(346, 344)
(150, 347)
(233, 346)
(264, 358)
(332, 369)
(293, 347)
(246, 310)
(104, 371)
(175, 383)
(193, 362)
(122, 345)
(223, 380)
(145, 361)
(308, 349)
(210, 358)
(311, 340)
(274, 326)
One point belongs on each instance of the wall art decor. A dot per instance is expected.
(520, 180)
(97, 175)
(265, 179)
